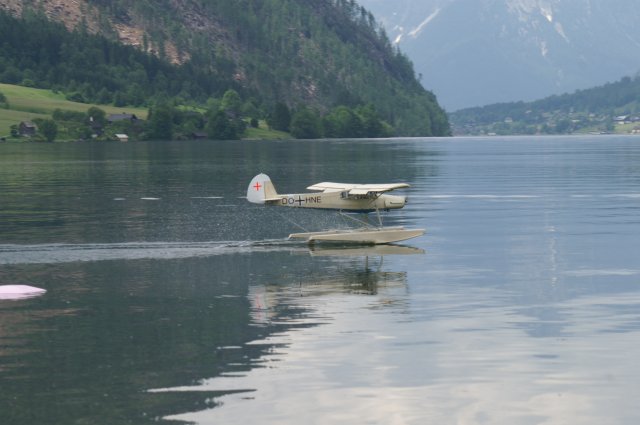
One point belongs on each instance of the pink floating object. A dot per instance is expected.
(18, 292)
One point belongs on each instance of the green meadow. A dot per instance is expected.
(264, 133)
(27, 103)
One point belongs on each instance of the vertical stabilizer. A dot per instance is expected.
(261, 189)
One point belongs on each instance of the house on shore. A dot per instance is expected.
(125, 124)
(27, 129)
(197, 135)
(122, 137)
(111, 118)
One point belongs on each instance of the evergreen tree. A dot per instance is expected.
(371, 122)
(119, 99)
(161, 122)
(48, 128)
(281, 117)
(221, 127)
(343, 122)
(96, 116)
(103, 96)
(232, 104)
(305, 124)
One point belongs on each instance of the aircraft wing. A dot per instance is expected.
(357, 189)
(331, 187)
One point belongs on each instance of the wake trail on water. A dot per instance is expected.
(67, 253)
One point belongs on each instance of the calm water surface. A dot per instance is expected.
(170, 299)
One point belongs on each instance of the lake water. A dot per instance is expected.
(171, 299)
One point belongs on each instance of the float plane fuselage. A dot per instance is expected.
(343, 197)
(334, 196)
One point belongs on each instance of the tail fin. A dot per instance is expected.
(261, 190)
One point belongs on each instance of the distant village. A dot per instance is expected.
(558, 122)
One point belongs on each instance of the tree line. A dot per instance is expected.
(225, 119)
(588, 108)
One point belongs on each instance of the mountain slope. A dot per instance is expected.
(478, 52)
(600, 109)
(318, 53)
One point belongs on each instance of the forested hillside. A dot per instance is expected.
(306, 55)
(601, 109)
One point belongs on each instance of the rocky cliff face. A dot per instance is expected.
(127, 29)
(71, 12)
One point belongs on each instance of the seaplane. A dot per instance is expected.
(344, 198)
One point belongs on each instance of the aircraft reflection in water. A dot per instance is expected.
(356, 270)
(349, 282)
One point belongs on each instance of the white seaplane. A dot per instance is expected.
(343, 197)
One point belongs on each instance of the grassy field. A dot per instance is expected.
(263, 133)
(27, 103)
(9, 117)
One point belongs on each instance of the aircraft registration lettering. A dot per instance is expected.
(300, 200)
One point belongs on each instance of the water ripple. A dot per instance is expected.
(68, 253)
